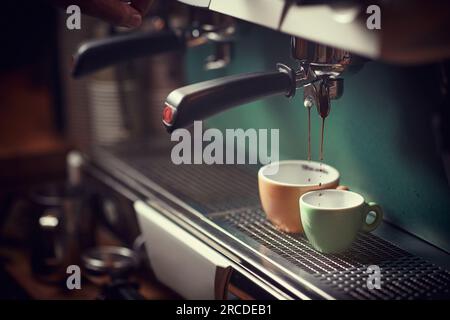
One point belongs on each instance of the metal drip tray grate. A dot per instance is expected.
(206, 188)
(404, 276)
(234, 207)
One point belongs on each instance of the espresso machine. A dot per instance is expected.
(206, 235)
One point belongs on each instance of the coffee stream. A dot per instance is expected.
(309, 137)
(321, 157)
(321, 140)
(321, 137)
(309, 134)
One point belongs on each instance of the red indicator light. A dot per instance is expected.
(168, 113)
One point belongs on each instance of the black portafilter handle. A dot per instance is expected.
(98, 54)
(201, 100)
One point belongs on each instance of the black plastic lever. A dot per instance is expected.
(98, 54)
(199, 101)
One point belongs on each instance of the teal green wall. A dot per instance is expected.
(378, 134)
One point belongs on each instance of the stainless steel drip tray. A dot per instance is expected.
(403, 275)
(228, 215)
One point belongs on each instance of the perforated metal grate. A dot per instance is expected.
(235, 206)
(404, 276)
(207, 188)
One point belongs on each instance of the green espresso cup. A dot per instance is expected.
(332, 218)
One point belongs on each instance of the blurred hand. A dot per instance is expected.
(118, 12)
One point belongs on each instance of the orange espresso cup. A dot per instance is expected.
(282, 183)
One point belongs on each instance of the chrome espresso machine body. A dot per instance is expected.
(208, 238)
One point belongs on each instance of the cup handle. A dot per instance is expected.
(372, 207)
